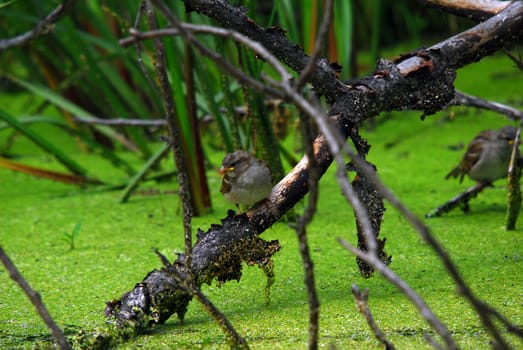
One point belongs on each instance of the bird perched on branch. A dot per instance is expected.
(487, 157)
(246, 180)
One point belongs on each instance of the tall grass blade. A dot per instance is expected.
(48, 174)
(140, 175)
(262, 134)
(343, 29)
(376, 32)
(44, 144)
(72, 108)
(287, 19)
(85, 138)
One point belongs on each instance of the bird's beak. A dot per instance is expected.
(224, 170)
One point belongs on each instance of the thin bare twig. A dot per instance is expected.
(517, 60)
(301, 232)
(238, 342)
(139, 48)
(175, 137)
(394, 279)
(512, 113)
(120, 121)
(362, 306)
(186, 279)
(481, 308)
(43, 27)
(137, 36)
(35, 299)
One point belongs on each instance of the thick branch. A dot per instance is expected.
(501, 30)
(478, 10)
(217, 255)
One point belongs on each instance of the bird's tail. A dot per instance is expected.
(455, 173)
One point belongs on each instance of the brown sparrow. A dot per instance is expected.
(487, 157)
(246, 180)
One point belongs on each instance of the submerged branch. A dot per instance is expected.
(461, 200)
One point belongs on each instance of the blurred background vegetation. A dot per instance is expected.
(80, 71)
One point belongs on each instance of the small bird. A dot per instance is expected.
(246, 180)
(487, 157)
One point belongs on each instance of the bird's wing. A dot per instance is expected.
(471, 157)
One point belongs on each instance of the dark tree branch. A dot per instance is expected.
(375, 208)
(45, 26)
(35, 299)
(501, 30)
(174, 134)
(186, 283)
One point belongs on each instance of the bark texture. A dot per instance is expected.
(421, 80)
